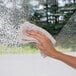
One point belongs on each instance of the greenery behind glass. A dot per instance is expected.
(48, 14)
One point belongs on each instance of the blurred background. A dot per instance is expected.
(58, 17)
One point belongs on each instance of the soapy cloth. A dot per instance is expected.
(25, 39)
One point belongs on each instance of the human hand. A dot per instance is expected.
(45, 45)
(48, 49)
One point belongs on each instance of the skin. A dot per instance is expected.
(48, 49)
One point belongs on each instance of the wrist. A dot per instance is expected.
(56, 55)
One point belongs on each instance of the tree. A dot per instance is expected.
(74, 1)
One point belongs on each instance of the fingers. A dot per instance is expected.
(39, 46)
(38, 35)
(42, 49)
(41, 38)
(45, 44)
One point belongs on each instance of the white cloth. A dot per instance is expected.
(24, 39)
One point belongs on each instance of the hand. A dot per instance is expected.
(48, 49)
(45, 45)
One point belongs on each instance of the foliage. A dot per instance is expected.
(18, 50)
(52, 22)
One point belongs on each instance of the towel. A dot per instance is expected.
(25, 39)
